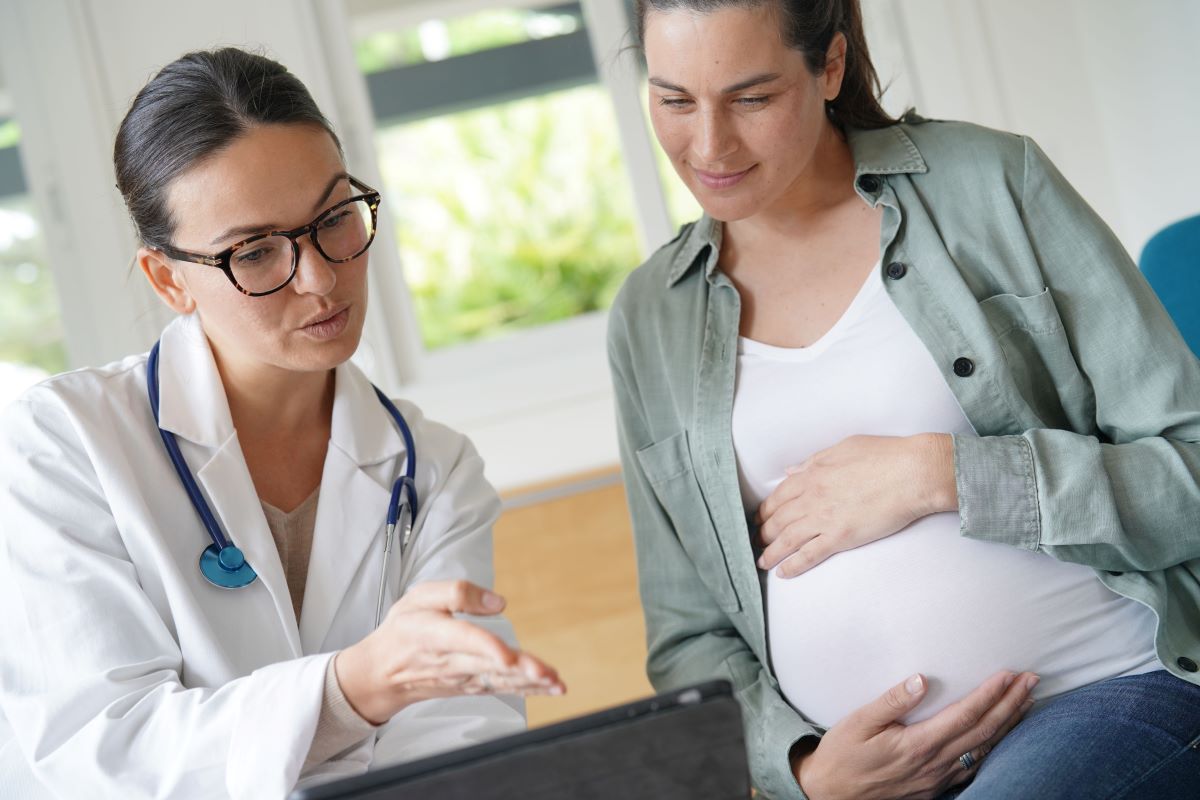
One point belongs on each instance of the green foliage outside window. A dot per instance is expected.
(30, 329)
(10, 134)
(510, 216)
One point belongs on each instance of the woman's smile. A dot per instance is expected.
(721, 180)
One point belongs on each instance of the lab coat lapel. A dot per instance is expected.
(194, 407)
(226, 481)
(347, 550)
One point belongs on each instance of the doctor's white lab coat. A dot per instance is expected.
(123, 673)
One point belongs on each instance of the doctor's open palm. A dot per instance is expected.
(422, 651)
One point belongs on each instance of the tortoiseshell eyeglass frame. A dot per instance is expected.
(223, 259)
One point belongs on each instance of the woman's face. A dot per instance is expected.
(274, 177)
(737, 111)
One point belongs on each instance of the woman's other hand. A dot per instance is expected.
(421, 651)
(862, 489)
(869, 755)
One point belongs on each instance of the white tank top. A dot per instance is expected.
(925, 599)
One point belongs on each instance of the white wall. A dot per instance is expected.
(1108, 87)
(1143, 65)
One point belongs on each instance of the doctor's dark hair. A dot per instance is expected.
(192, 109)
(809, 26)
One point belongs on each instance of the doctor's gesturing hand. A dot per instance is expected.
(862, 489)
(422, 651)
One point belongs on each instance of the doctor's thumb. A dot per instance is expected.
(455, 597)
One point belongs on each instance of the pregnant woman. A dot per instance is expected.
(909, 443)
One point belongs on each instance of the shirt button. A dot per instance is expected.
(1187, 664)
(963, 367)
(896, 270)
(869, 183)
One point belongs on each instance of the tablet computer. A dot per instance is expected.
(686, 744)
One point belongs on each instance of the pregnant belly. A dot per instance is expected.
(928, 600)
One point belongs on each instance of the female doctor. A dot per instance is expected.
(134, 666)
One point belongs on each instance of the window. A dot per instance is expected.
(511, 144)
(31, 336)
(502, 165)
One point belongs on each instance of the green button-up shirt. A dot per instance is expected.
(1085, 399)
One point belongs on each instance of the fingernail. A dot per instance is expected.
(556, 690)
(914, 685)
(1031, 682)
(492, 601)
(1008, 679)
(1028, 704)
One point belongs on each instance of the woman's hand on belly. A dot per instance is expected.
(859, 491)
(870, 755)
(421, 651)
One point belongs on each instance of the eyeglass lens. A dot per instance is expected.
(266, 264)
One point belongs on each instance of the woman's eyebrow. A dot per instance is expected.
(670, 87)
(250, 230)
(329, 189)
(764, 77)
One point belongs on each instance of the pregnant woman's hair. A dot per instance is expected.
(809, 26)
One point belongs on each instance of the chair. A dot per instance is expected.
(1171, 263)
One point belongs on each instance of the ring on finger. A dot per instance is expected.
(967, 760)
(485, 681)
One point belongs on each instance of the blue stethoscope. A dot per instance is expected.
(224, 565)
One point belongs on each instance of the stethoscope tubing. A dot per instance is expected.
(407, 484)
(403, 496)
(181, 467)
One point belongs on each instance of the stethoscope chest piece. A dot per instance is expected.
(224, 565)
(226, 568)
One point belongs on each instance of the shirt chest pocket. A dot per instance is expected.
(668, 467)
(1040, 361)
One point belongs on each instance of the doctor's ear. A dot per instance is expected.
(166, 280)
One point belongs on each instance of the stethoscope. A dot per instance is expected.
(224, 565)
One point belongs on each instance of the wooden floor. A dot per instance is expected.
(567, 568)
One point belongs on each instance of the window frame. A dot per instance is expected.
(503, 391)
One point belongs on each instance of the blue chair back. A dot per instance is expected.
(1171, 263)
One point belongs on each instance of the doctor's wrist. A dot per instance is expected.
(353, 670)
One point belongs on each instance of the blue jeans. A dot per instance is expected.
(1133, 738)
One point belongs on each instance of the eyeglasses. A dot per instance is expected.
(266, 263)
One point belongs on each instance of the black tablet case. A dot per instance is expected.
(687, 744)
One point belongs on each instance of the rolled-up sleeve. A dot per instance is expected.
(1125, 496)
